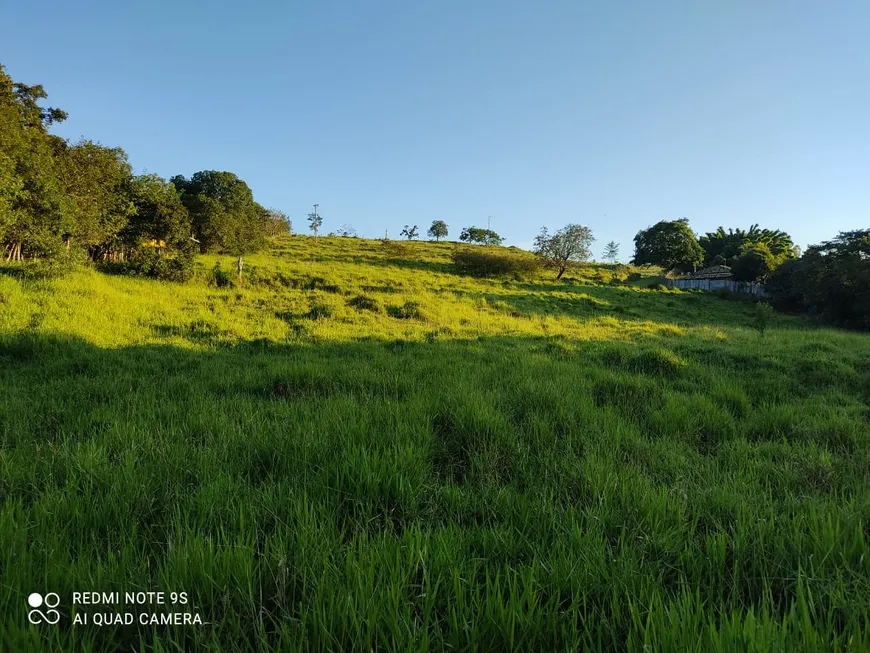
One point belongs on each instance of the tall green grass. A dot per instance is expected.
(511, 465)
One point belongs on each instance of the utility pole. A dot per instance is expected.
(489, 222)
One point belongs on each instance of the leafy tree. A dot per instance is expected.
(611, 251)
(315, 221)
(276, 222)
(570, 243)
(159, 215)
(35, 211)
(346, 231)
(670, 244)
(98, 182)
(480, 236)
(729, 245)
(158, 235)
(754, 263)
(223, 213)
(831, 280)
(409, 232)
(438, 230)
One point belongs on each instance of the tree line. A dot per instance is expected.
(63, 200)
(830, 280)
(751, 254)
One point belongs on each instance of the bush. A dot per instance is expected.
(407, 311)
(317, 283)
(154, 265)
(763, 316)
(483, 263)
(392, 248)
(319, 312)
(219, 277)
(364, 303)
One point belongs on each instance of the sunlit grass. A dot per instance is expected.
(448, 463)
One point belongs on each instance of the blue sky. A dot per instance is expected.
(612, 115)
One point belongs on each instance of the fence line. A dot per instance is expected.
(715, 284)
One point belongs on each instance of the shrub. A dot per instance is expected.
(364, 303)
(219, 277)
(392, 248)
(319, 312)
(439, 333)
(483, 263)
(154, 265)
(763, 316)
(317, 283)
(407, 311)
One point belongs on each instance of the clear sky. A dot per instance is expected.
(386, 112)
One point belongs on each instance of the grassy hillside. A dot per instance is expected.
(358, 449)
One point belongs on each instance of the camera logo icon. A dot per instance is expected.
(49, 601)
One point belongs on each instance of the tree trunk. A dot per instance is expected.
(241, 264)
(562, 269)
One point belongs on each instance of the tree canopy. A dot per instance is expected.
(223, 213)
(98, 181)
(276, 222)
(571, 243)
(35, 212)
(670, 244)
(754, 263)
(410, 232)
(58, 197)
(480, 236)
(438, 230)
(831, 280)
(315, 221)
(722, 247)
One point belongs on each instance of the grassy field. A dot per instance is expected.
(357, 449)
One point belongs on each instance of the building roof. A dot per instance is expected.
(715, 272)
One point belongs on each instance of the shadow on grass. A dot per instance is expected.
(30, 271)
(623, 303)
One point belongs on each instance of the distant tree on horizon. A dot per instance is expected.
(438, 230)
(571, 243)
(611, 251)
(315, 221)
(276, 222)
(346, 231)
(480, 236)
(410, 232)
